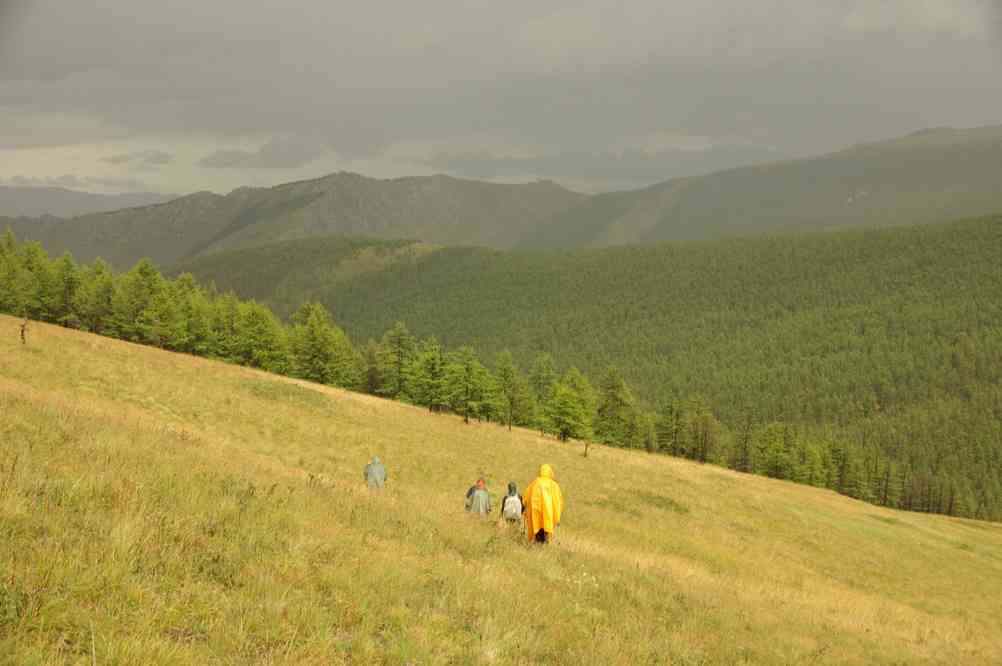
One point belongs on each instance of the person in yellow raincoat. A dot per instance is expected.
(543, 503)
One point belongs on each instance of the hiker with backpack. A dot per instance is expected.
(375, 474)
(544, 504)
(478, 500)
(511, 506)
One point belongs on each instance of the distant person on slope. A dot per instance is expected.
(478, 500)
(473, 489)
(375, 473)
(511, 505)
(544, 503)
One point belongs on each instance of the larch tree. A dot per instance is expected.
(615, 409)
(427, 377)
(396, 351)
(320, 350)
(567, 414)
(66, 284)
(543, 380)
(135, 293)
(466, 383)
(96, 297)
(511, 386)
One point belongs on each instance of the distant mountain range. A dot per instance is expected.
(436, 208)
(924, 177)
(928, 176)
(17, 201)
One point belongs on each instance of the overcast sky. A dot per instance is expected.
(186, 95)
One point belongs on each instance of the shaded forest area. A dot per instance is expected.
(866, 362)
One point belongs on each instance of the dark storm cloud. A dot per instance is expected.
(549, 79)
(995, 19)
(278, 153)
(10, 12)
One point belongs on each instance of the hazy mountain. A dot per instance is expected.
(924, 177)
(164, 232)
(436, 208)
(920, 178)
(59, 202)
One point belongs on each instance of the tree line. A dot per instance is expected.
(179, 314)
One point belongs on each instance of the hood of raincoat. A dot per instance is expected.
(544, 503)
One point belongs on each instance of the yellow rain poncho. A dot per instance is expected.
(543, 503)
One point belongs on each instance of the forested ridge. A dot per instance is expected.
(830, 327)
(867, 362)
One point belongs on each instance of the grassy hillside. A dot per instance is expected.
(433, 209)
(161, 508)
(920, 178)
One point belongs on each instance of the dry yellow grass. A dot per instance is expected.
(159, 508)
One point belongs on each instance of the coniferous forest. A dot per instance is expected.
(866, 362)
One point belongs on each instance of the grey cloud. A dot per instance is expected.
(964, 19)
(75, 182)
(228, 159)
(995, 19)
(68, 181)
(635, 167)
(562, 78)
(278, 153)
(11, 12)
(121, 184)
(141, 159)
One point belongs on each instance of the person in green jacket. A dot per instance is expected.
(478, 500)
(375, 473)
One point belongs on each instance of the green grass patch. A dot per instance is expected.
(662, 502)
(285, 392)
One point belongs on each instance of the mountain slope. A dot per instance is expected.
(433, 209)
(301, 270)
(60, 202)
(920, 178)
(164, 232)
(159, 507)
(839, 320)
